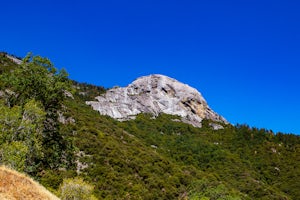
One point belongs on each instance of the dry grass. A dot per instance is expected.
(17, 186)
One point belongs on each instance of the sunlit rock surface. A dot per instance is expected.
(155, 94)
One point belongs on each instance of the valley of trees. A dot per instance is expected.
(48, 132)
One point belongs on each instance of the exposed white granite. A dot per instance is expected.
(155, 94)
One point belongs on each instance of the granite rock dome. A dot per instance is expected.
(155, 94)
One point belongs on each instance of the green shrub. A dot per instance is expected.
(13, 155)
(76, 189)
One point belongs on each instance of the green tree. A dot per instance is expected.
(10, 119)
(13, 155)
(21, 134)
(37, 78)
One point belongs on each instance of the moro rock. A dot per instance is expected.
(155, 94)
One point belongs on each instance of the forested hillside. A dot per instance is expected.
(48, 132)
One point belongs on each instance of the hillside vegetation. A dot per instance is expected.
(48, 132)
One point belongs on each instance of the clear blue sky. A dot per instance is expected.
(243, 56)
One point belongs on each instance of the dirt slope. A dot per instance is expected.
(16, 186)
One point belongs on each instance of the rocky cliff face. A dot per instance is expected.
(155, 94)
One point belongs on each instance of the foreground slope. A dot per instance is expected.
(15, 186)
